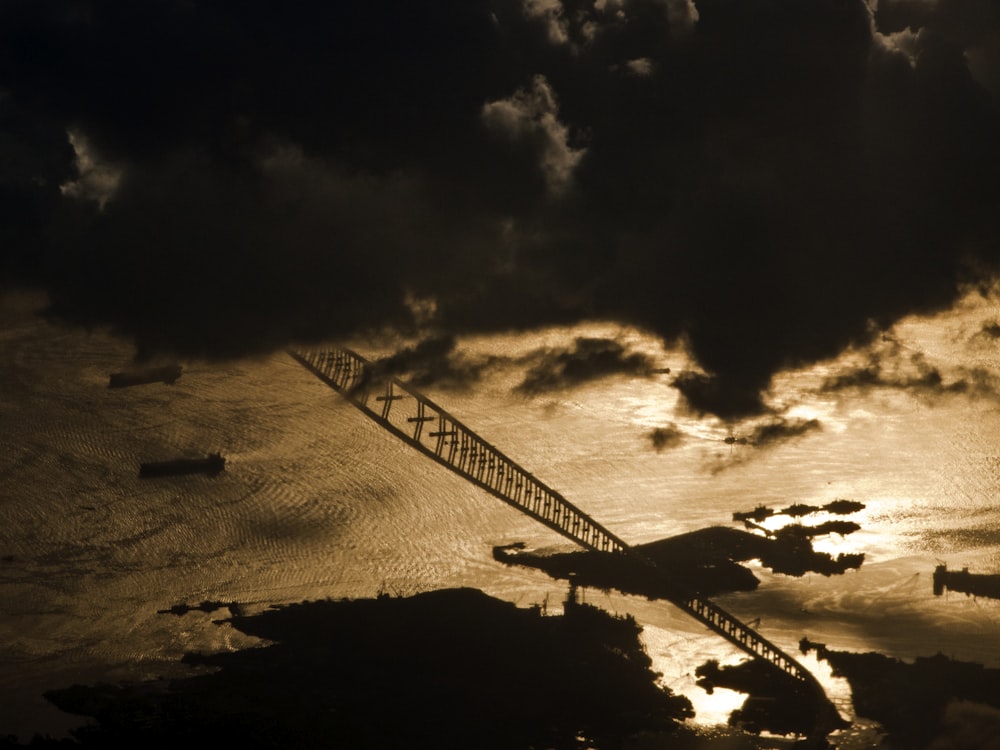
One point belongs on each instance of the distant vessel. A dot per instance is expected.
(758, 514)
(212, 464)
(974, 584)
(166, 374)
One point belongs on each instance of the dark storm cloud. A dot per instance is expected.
(434, 361)
(913, 373)
(588, 359)
(766, 434)
(974, 25)
(763, 180)
(663, 438)
(873, 376)
(990, 330)
(709, 393)
(780, 430)
(437, 360)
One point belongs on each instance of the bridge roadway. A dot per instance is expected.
(417, 420)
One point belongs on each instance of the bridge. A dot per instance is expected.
(421, 423)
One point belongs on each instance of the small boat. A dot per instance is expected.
(211, 464)
(166, 374)
(758, 514)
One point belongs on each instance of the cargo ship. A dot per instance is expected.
(166, 374)
(973, 584)
(211, 464)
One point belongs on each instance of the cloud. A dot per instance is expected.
(681, 14)
(779, 181)
(913, 373)
(663, 438)
(780, 430)
(433, 361)
(990, 330)
(711, 393)
(532, 117)
(760, 434)
(550, 12)
(589, 359)
(773, 430)
(640, 66)
(974, 25)
(96, 180)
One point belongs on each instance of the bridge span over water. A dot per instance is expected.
(421, 423)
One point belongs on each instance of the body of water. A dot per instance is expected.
(317, 501)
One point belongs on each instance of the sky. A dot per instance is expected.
(767, 182)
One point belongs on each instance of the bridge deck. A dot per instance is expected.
(417, 420)
(423, 424)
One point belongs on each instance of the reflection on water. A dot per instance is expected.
(317, 502)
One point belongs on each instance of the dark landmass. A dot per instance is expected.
(790, 552)
(167, 374)
(211, 464)
(444, 669)
(843, 507)
(776, 703)
(973, 584)
(921, 705)
(704, 562)
(608, 570)
(235, 608)
(839, 507)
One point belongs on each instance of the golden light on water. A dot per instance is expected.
(319, 502)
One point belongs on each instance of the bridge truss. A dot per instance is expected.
(421, 423)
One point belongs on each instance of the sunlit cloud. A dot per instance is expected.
(973, 26)
(608, 5)
(905, 43)
(423, 309)
(641, 66)
(682, 15)
(97, 180)
(531, 117)
(551, 13)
